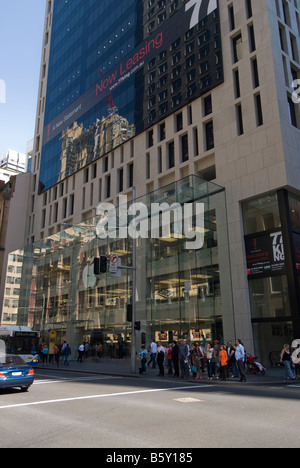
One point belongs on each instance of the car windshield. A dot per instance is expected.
(11, 360)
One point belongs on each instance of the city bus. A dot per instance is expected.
(21, 341)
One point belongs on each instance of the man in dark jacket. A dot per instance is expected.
(184, 359)
(175, 358)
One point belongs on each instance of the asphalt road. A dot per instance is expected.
(73, 410)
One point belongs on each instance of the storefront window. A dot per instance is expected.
(269, 338)
(269, 298)
(261, 214)
(178, 290)
(294, 203)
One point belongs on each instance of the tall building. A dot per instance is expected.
(185, 100)
(12, 225)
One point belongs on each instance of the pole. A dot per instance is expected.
(133, 336)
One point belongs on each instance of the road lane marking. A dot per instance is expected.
(106, 395)
(188, 400)
(74, 379)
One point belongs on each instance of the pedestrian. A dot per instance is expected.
(111, 349)
(184, 359)
(216, 365)
(80, 353)
(67, 354)
(51, 354)
(160, 358)
(100, 350)
(232, 365)
(240, 359)
(169, 359)
(209, 357)
(45, 352)
(285, 359)
(198, 358)
(57, 354)
(63, 349)
(153, 352)
(223, 359)
(143, 358)
(193, 366)
(175, 358)
(86, 350)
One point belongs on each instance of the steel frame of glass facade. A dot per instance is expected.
(180, 292)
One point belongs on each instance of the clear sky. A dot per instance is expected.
(21, 38)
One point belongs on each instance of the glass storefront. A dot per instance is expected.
(180, 292)
(272, 240)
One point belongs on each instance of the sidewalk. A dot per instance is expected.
(122, 368)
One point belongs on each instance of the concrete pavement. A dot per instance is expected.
(121, 367)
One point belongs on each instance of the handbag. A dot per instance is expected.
(194, 369)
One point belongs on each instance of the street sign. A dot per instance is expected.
(113, 267)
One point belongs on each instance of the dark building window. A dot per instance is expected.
(209, 136)
(237, 45)
(171, 155)
(184, 148)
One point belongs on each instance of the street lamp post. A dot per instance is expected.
(133, 336)
(133, 269)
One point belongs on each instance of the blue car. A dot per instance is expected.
(14, 372)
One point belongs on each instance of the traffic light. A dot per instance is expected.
(100, 265)
(137, 326)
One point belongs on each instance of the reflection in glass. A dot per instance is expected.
(261, 214)
(81, 147)
(178, 290)
(270, 297)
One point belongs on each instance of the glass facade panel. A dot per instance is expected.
(261, 214)
(269, 338)
(178, 292)
(294, 205)
(270, 298)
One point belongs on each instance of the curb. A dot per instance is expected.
(146, 377)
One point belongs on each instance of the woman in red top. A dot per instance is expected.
(223, 360)
(169, 358)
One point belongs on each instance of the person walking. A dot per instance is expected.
(232, 365)
(175, 358)
(67, 354)
(80, 353)
(285, 359)
(240, 360)
(100, 350)
(143, 358)
(45, 352)
(160, 358)
(216, 360)
(57, 355)
(153, 353)
(209, 358)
